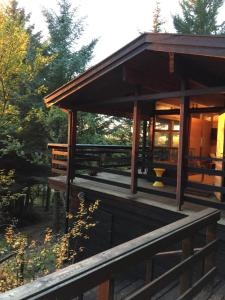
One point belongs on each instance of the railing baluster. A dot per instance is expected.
(186, 277)
(210, 236)
(106, 290)
(149, 271)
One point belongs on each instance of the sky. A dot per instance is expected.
(114, 22)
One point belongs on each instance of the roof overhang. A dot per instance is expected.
(205, 46)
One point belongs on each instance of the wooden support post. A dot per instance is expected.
(186, 277)
(72, 132)
(106, 290)
(183, 149)
(222, 197)
(210, 236)
(144, 137)
(135, 146)
(151, 137)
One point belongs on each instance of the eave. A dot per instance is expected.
(208, 46)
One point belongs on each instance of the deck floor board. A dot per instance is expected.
(139, 198)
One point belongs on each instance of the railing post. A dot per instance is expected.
(186, 277)
(183, 147)
(106, 290)
(210, 236)
(144, 137)
(152, 122)
(149, 271)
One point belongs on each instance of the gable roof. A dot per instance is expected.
(204, 46)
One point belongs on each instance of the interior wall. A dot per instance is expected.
(200, 134)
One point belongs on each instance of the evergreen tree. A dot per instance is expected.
(21, 84)
(65, 30)
(32, 88)
(157, 20)
(199, 17)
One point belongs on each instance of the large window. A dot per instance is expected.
(166, 139)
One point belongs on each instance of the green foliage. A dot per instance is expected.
(92, 128)
(22, 60)
(34, 259)
(199, 17)
(34, 132)
(31, 89)
(9, 121)
(13, 70)
(23, 128)
(57, 124)
(7, 196)
(157, 20)
(65, 30)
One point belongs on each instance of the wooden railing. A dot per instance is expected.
(102, 269)
(165, 153)
(115, 159)
(59, 156)
(93, 158)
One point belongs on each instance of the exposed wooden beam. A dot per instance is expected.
(183, 148)
(171, 62)
(200, 110)
(163, 95)
(117, 59)
(135, 146)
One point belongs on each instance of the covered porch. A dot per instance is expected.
(172, 87)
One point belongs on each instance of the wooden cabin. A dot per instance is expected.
(166, 187)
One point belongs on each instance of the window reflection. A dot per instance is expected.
(161, 139)
(161, 124)
(175, 140)
(166, 140)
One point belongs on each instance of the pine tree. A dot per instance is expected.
(157, 20)
(199, 17)
(65, 30)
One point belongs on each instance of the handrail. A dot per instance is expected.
(100, 146)
(76, 279)
(96, 158)
(90, 157)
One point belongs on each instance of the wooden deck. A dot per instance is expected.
(140, 198)
(123, 288)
